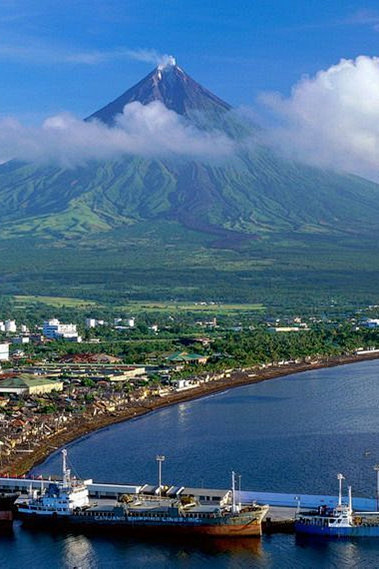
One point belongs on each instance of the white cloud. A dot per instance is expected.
(144, 130)
(332, 119)
(364, 18)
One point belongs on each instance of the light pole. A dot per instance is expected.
(1, 454)
(297, 498)
(160, 458)
(234, 509)
(340, 477)
(376, 468)
(239, 490)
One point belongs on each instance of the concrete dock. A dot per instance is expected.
(279, 519)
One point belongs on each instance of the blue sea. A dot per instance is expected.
(291, 434)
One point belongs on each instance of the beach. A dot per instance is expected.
(84, 425)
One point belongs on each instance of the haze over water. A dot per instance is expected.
(292, 434)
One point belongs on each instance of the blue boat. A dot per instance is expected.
(341, 521)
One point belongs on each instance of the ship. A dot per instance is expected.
(340, 522)
(7, 501)
(67, 502)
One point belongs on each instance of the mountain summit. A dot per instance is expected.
(255, 192)
(169, 84)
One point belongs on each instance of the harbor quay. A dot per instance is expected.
(283, 507)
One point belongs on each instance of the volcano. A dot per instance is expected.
(169, 84)
(255, 193)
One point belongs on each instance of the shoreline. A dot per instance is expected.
(238, 378)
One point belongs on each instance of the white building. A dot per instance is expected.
(371, 323)
(51, 328)
(4, 352)
(21, 340)
(129, 323)
(10, 326)
(91, 322)
(54, 330)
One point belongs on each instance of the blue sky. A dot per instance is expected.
(78, 55)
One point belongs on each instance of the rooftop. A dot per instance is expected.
(25, 381)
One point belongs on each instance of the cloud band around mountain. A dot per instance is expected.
(329, 120)
(142, 130)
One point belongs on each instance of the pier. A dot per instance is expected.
(273, 499)
(283, 506)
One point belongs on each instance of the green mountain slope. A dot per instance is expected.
(252, 193)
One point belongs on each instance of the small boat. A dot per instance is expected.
(340, 521)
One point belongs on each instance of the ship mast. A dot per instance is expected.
(340, 477)
(66, 471)
(350, 500)
(376, 468)
(234, 507)
(160, 458)
(239, 492)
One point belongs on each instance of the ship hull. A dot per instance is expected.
(211, 530)
(6, 519)
(340, 532)
(250, 529)
(6, 509)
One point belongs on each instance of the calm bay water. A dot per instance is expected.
(291, 434)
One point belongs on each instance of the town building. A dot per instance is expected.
(118, 323)
(10, 326)
(371, 323)
(21, 340)
(124, 374)
(4, 352)
(287, 328)
(186, 358)
(25, 384)
(54, 330)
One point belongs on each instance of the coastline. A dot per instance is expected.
(237, 378)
